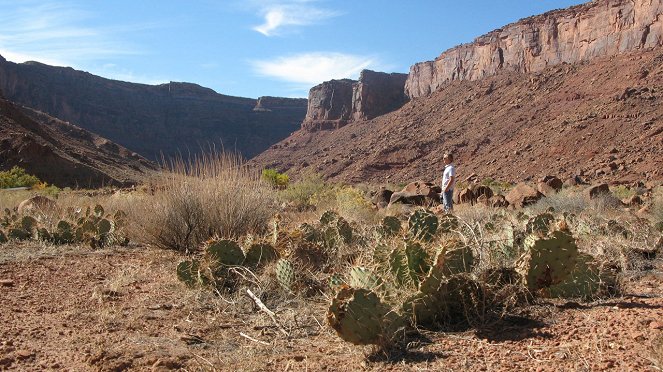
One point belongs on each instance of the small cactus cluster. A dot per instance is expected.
(93, 227)
(220, 255)
(552, 266)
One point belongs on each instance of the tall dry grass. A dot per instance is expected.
(213, 194)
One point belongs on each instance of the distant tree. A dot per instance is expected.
(17, 177)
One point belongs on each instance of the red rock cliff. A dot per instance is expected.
(580, 33)
(336, 103)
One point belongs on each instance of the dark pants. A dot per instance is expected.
(447, 200)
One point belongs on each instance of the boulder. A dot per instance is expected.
(523, 195)
(465, 195)
(37, 204)
(596, 191)
(549, 185)
(482, 190)
(418, 193)
(427, 189)
(498, 201)
(382, 197)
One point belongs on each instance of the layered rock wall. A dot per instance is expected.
(580, 33)
(170, 119)
(336, 103)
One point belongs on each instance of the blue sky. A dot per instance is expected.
(247, 48)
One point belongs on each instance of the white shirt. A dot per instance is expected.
(449, 170)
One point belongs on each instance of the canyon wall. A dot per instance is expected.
(596, 29)
(169, 119)
(336, 103)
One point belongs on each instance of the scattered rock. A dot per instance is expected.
(498, 201)
(633, 201)
(6, 283)
(596, 191)
(382, 197)
(523, 195)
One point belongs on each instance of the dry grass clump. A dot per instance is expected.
(208, 195)
(567, 200)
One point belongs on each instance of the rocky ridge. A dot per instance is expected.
(63, 154)
(151, 120)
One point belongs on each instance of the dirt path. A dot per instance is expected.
(121, 309)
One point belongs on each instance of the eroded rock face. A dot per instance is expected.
(329, 105)
(268, 104)
(336, 103)
(377, 93)
(596, 29)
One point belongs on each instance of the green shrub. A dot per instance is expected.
(302, 193)
(275, 179)
(17, 177)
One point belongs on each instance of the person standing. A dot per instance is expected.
(448, 183)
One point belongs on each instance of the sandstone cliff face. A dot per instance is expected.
(329, 105)
(596, 29)
(169, 119)
(336, 103)
(377, 93)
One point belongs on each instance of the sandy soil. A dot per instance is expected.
(76, 309)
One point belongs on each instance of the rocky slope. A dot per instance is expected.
(151, 120)
(570, 92)
(596, 29)
(602, 119)
(64, 154)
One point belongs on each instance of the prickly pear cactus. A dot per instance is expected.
(584, 282)
(19, 234)
(64, 233)
(43, 235)
(344, 230)
(285, 274)
(453, 259)
(28, 223)
(328, 217)
(409, 264)
(3, 237)
(548, 260)
(423, 225)
(189, 272)
(310, 233)
(105, 226)
(98, 211)
(390, 226)
(540, 224)
(225, 252)
(448, 223)
(259, 254)
(363, 278)
(360, 317)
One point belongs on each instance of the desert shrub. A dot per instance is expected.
(498, 186)
(566, 200)
(209, 195)
(17, 177)
(657, 205)
(622, 192)
(302, 192)
(275, 179)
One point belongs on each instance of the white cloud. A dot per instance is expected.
(314, 68)
(53, 32)
(279, 15)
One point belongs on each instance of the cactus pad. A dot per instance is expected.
(584, 282)
(189, 273)
(363, 278)
(359, 316)
(225, 252)
(259, 254)
(423, 225)
(28, 223)
(285, 274)
(98, 211)
(540, 224)
(448, 223)
(328, 217)
(390, 226)
(3, 237)
(548, 260)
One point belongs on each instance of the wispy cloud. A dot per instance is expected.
(307, 69)
(282, 15)
(54, 33)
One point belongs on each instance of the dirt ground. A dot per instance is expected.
(77, 309)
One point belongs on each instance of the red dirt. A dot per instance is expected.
(76, 309)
